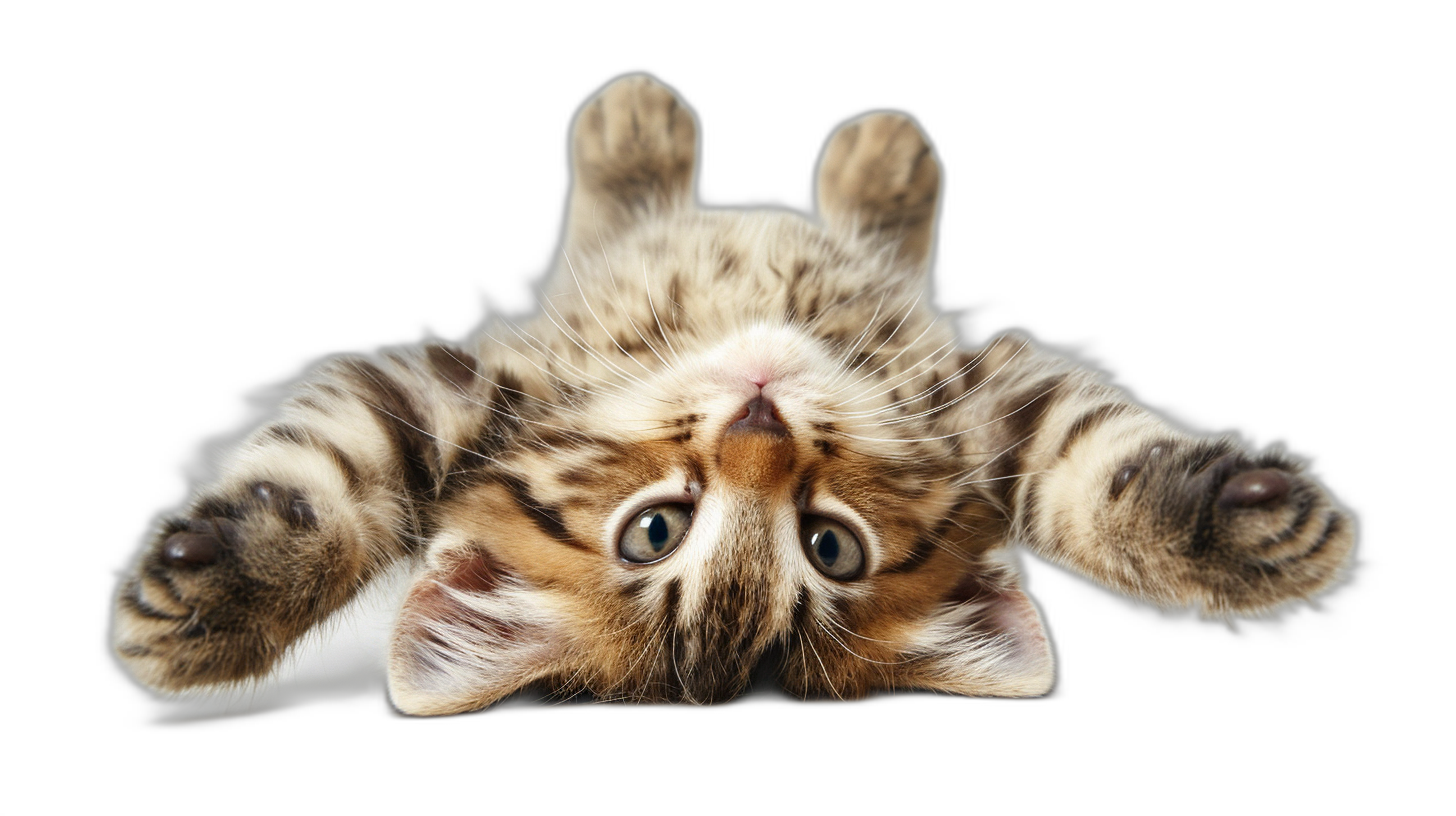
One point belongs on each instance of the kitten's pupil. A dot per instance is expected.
(657, 532)
(828, 547)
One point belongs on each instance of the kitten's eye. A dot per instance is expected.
(833, 548)
(655, 533)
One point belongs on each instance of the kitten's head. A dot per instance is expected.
(741, 487)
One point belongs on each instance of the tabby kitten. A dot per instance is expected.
(731, 439)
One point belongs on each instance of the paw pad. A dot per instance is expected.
(197, 546)
(1254, 487)
(287, 503)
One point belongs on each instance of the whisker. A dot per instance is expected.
(547, 307)
(833, 688)
(586, 301)
(852, 652)
(612, 278)
(897, 380)
(531, 342)
(515, 416)
(553, 405)
(863, 335)
(945, 405)
(928, 326)
(908, 311)
(647, 287)
(1028, 404)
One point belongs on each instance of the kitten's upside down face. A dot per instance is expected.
(731, 440)
(746, 499)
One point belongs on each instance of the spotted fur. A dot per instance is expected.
(505, 467)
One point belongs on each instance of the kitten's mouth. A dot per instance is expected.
(761, 415)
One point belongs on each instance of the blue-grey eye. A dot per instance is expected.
(655, 533)
(835, 551)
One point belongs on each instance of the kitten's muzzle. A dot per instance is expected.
(760, 415)
(756, 451)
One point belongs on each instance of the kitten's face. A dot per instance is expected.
(730, 477)
(774, 490)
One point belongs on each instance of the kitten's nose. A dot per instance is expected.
(760, 415)
(756, 451)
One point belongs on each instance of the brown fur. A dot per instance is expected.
(507, 467)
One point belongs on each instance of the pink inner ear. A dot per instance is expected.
(430, 602)
(471, 632)
(1007, 612)
(1013, 612)
(475, 571)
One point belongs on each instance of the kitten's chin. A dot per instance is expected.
(763, 357)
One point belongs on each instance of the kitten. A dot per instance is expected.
(730, 439)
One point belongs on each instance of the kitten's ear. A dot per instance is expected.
(985, 640)
(879, 178)
(634, 149)
(471, 632)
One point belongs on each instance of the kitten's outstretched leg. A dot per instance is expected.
(634, 148)
(1097, 483)
(307, 511)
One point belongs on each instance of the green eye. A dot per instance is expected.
(655, 533)
(835, 551)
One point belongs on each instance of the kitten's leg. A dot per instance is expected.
(1099, 484)
(879, 177)
(634, 148)
(308, 510)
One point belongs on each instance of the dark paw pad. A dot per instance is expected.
(1214, 497)
(288, 503)
(1250, 530)
(212, 601)
(1254, 487)
(199, 545)
(219, 526)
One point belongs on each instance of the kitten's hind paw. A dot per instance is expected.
(880, 176)
(634, 146)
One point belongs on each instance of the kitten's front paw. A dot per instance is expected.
(210, 600)
(1249, 533)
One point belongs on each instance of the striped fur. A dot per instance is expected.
(506, 467)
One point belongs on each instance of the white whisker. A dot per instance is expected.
(547, 307)
(586, 301)
(928, 326)
(908, 311)
(647, 287)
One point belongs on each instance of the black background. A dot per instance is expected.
(1196, 222)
